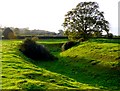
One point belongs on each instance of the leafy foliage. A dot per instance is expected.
(85, 21)
(37, 52)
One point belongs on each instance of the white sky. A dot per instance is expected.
(49, 14)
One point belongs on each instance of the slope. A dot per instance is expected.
(96, 62)
(20, 72)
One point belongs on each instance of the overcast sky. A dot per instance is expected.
(49, 14)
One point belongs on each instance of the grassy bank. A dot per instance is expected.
(91, 65)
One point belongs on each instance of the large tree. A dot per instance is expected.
(85, 21)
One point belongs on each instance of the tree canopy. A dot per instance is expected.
(85, 20)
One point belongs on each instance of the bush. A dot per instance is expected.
(35, 51)
(35, 38)
(68, 45)
(81, 40)
(110, 35)
(9, 34)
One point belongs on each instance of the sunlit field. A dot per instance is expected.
(94, 64)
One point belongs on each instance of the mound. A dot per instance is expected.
(105, 50)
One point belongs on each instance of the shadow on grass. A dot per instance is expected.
(84, 71)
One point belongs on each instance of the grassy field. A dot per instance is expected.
(94, 64)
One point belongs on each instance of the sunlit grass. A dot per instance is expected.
(91, 65)
(104, 52)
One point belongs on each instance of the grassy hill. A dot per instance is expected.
(91, 65)
(97, 61)
(103, 51)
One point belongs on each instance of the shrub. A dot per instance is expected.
(35, 38)
(110, 35)
(81, 40)
(35, 51)
(68, 45)
(8, 34)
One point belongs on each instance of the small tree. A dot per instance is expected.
(8, 34)
(17, 31)
(85, 20)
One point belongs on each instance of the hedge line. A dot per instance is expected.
(42, 37)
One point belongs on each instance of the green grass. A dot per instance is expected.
(91, 65)
(98, 60)
(104, 52)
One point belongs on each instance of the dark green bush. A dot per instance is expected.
(110, 35)
(35, 51)
(68, 45)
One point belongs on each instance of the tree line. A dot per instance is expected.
(84, 21)
(12, 33)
